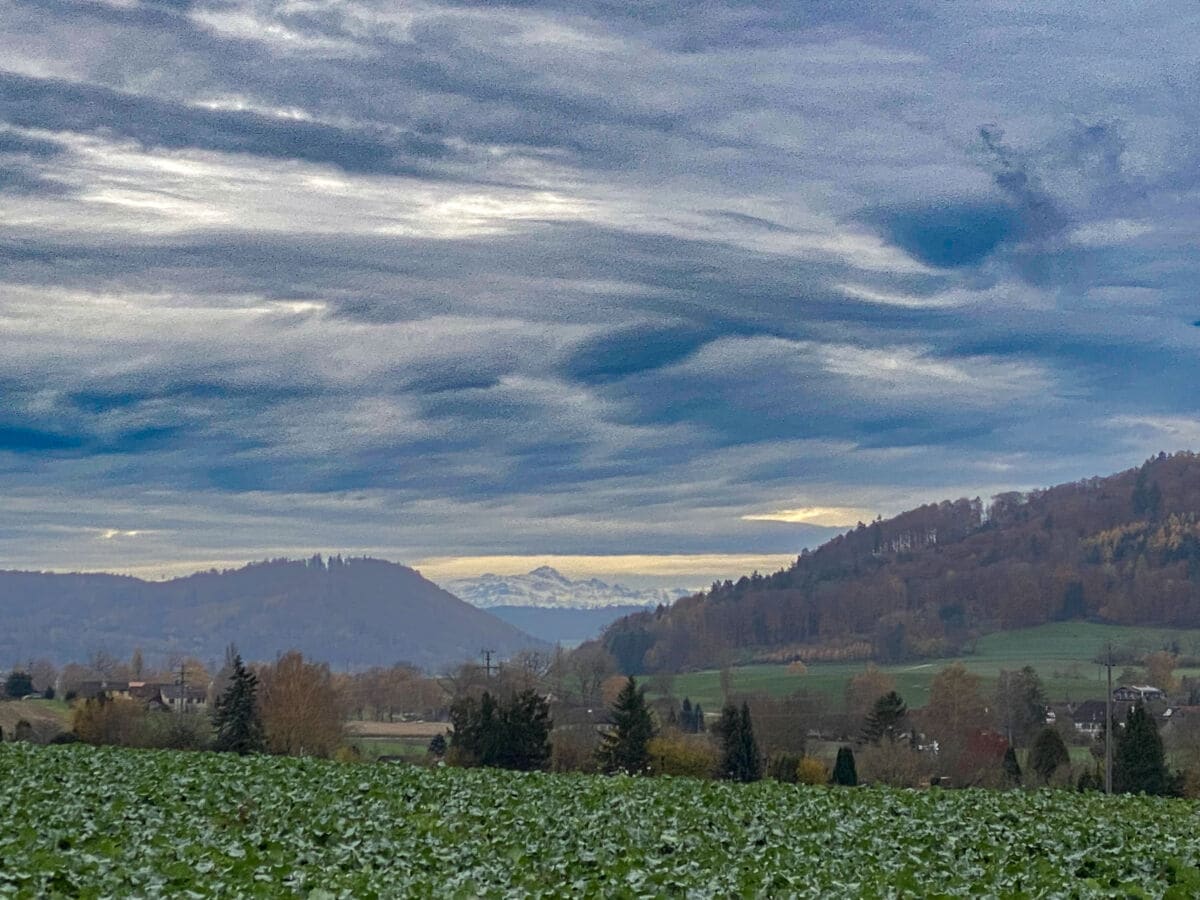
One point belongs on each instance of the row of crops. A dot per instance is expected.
(80, 821)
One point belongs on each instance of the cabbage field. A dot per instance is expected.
(78, 821)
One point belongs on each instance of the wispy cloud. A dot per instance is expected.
(497, 280)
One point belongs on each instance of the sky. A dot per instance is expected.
(657, 290)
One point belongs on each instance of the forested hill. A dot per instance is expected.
(1123, 549)
(355, 612)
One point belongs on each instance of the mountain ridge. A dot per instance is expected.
(354, 613)
(546, 587)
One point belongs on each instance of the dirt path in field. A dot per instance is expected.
(396, 729)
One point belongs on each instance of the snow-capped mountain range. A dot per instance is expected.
(546, 587)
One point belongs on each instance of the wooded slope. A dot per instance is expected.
(1123, 549)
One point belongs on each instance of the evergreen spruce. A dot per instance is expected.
(845, 773)
(625, 748)
(687, 718)
(236, 720)
(1012, 768)
(18, 684)
(1048, 754)
(511, 735)
(886, 718)
(698, 718)
(527, 725)
(740, 759)
(1139, 766)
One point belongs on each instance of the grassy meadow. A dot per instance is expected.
(1062, 653)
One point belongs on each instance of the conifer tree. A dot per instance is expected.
(1139, 765)
(740, 759)
(18, 684)
(239, 729)
(1012, 768)
(885, 719)
(510, 735)
(1048, 753)
(845, 772)
(625, 748)
(527, 726)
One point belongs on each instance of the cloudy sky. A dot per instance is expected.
(456, 282)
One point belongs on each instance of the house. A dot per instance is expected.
(111, 690)
(1138, 693)
(1088, 717)
(185, 698)
(1173, 715)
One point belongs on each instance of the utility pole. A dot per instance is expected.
(1108, 726)
(182, 683)
(487, 663)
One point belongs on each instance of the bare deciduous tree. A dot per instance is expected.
(299, 706)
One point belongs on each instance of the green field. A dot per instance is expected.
(1061, 653)
(85, 822)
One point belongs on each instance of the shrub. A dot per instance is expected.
(118, 722)
(176, 731)
(682, 755)
(845, 773)
(812, 771)
(573, 749)
(896, 764)
(784, 766)
(1048, 754)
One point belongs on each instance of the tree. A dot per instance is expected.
(118, 722)
(1048, 754)
(1012, 768)
(526, 722)
(691, 718)
(625, 748)
(590, 665)
(956, 708)
(300, 710)
(864, 689)
(1020, 705)
(44, 675)
(235, 717)
(437, 746)
(1160, 670)
(1139, 765)
(18, 684)
(1146, 497)
(886, 719)
(510, 735)
(474, 731)
(740, 759)
(844, 771)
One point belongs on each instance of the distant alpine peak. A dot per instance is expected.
(545, 586)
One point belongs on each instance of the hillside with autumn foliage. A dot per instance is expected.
(1124, 549)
